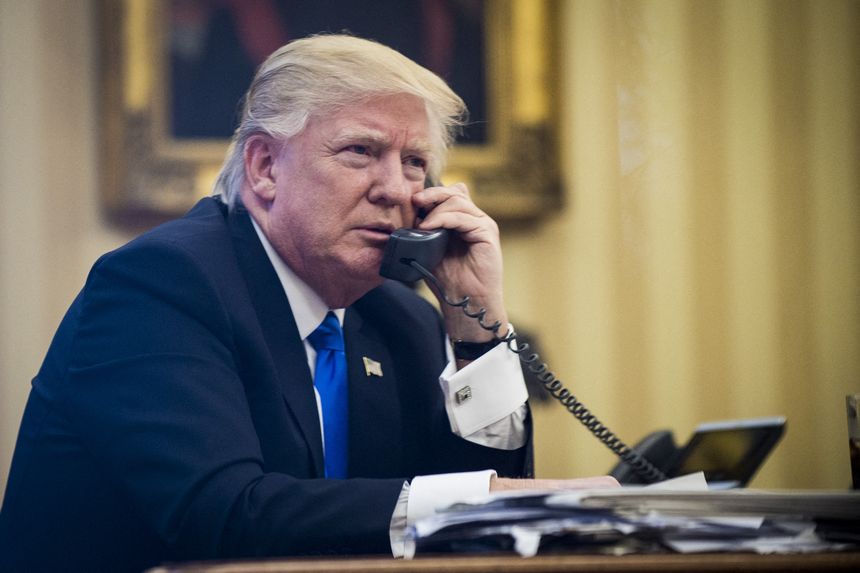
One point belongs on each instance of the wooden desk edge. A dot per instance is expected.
(544, 564)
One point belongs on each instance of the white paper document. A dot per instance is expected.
(681, 515)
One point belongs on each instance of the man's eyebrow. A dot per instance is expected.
(372, 136)
(351, 135)
(420, 148)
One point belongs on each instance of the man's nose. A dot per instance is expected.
(390, 184)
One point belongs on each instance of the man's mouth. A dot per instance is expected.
(379, 232)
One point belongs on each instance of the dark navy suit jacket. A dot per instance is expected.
(174, 416)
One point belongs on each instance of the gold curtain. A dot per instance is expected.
(707, 262)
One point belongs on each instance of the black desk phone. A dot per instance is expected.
(411, 254)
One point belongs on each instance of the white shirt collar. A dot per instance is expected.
(308, 308)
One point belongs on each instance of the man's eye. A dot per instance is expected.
(358, 149)
(416, 162)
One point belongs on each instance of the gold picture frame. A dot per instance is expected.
(147, 175)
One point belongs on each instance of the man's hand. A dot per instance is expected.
(473, 264)
(502, 484)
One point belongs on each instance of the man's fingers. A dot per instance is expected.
(434, 196)
(501, 484)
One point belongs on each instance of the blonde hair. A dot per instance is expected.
(318, 75)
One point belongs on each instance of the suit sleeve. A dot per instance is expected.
(153, 391)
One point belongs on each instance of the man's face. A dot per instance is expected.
(342, 186)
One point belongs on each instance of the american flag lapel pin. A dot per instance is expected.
(371, 367)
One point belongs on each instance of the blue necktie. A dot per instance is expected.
(330, 380)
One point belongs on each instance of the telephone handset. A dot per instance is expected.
(409, 256)
(425, 247)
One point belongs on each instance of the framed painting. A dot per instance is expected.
(173, 72)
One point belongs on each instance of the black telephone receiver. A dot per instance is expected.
(427, 248)
(411, 254)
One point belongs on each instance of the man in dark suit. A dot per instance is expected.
(180, 411)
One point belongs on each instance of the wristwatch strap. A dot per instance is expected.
(466, 350)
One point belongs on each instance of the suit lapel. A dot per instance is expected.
(374, 403)
(280, 331)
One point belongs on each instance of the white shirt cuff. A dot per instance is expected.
(427, 494)
(397, 527)
(483, 392)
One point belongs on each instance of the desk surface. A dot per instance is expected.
(543, 564)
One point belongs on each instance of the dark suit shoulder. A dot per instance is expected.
(176, 258)
(176, 284)
(204, 229)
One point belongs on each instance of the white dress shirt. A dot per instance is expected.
(493, 417)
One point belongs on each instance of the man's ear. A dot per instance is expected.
(259, 154)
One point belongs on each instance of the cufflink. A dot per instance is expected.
(463, 394)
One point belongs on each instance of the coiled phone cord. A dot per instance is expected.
(553, 385)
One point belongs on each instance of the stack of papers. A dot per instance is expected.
(680, 515)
